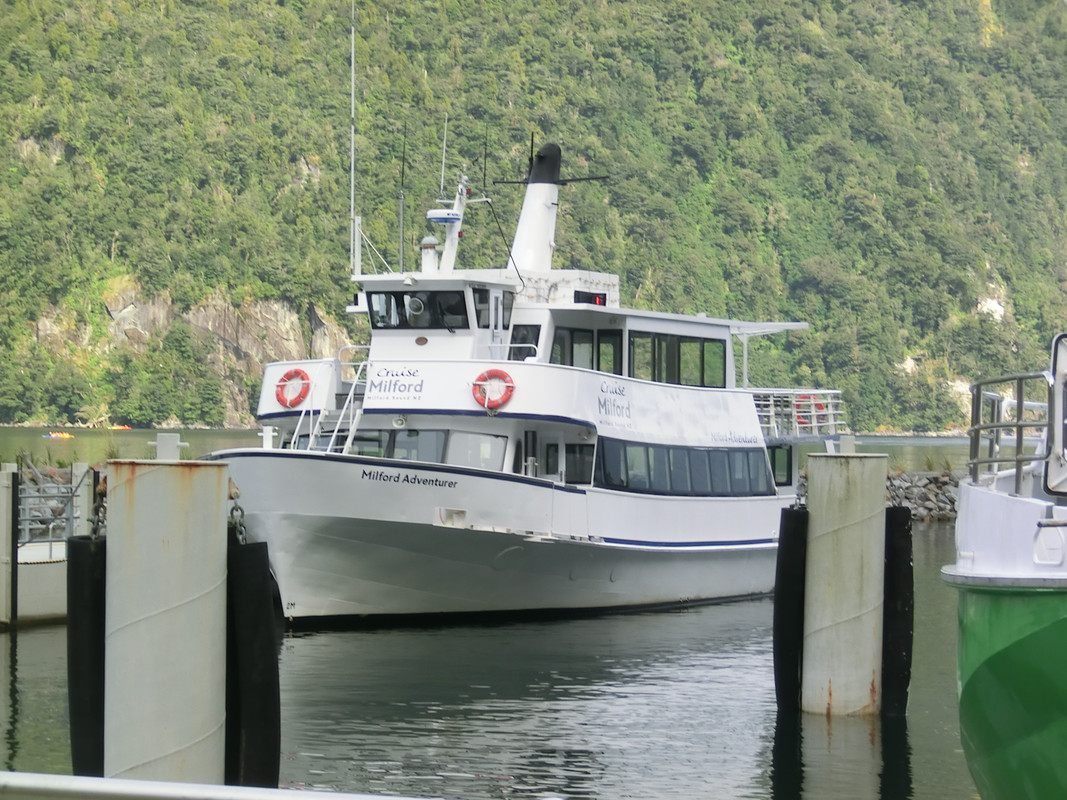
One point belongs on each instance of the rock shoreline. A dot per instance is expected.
(931, 496)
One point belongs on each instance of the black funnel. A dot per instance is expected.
(545, 167)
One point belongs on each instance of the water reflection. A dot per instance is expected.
(870, 757)
(33, 701)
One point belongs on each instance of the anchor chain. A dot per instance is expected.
(237, 515)
(98, 520)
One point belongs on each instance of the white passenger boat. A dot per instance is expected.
(514, 440)
(1011, 573)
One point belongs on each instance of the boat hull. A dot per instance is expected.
(358, 537)
(1013, 690)
(1011, 577)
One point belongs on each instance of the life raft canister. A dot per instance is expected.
(805, 403)
(482, 396)
(293, 400)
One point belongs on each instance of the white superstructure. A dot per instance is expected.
(515, 440)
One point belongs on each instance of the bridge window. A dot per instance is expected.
(442, 310)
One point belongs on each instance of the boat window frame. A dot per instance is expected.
(667, 358)
(418, 309)
(517, 349)
(644, 468)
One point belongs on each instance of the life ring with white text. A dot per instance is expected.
(282, 394)
(482, 396)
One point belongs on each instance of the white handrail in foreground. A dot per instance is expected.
(74, 787)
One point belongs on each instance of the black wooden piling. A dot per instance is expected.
(788, 623)
(86, 601)
(253, 711)
(898, 621)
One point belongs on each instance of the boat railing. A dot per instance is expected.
(326, 426)
(523, 352)
(799, 413)
(1001, 416)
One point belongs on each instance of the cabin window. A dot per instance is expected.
(681, 360)
(659, 479)
(417, 445)
(609, 352)
(693, 471)
(759, 480)
(573, 347)
(611, 464)
(690, 366)
(442, 310)
(720, 472)
(739, 472)
(478, 450)
(641, 356)
(781, 456)
(578, 464)
(679, 461)
(699, 472)
(482, 299)
(665, 359)
(637, 466)
(524, 340)
(369, 443)
(715, 363)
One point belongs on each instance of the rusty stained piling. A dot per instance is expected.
(844, 585)
(165, 632)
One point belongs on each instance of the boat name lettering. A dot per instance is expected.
(415, 480)
(397, 382)
(613, 388)
(610, 406)
(736, 437)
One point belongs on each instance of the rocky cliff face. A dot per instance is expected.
(245, 337)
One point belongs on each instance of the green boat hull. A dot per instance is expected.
(1013, 690)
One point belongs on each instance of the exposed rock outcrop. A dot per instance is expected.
(245, 337)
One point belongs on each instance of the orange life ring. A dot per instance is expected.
(483, 398)
(305, 386)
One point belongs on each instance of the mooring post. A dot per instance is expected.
(9, 537)
(165, 630)
(844, 585)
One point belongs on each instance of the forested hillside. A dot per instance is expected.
(894, 173)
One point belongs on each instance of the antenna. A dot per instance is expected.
(355, 250)
(485, 159)
(444, 148)
(403, 164)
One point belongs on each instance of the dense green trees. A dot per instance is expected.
(877, 168)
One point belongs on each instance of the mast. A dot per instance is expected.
(355, 251)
